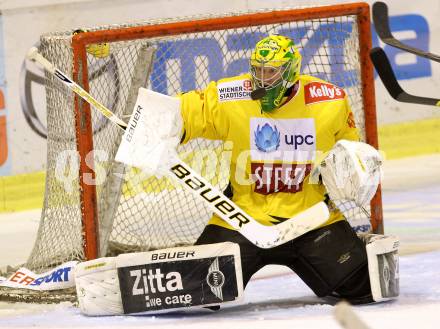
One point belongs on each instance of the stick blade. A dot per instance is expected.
(304, 222)
(347, 317)
(386, 74)
(32, 53)
(381, 20)
(385, 71)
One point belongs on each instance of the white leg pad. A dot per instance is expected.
(97, 287)
(383, 266)
(160, 281)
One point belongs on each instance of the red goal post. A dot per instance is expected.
(89, 135)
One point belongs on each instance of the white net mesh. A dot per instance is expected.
(138, 213)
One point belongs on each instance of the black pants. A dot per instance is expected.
(331, 260)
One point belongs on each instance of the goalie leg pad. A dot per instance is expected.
(383, 266)
(161, 280)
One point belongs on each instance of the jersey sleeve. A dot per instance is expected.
(348, 129)
(202, 115)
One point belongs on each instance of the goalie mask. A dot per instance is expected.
(275, 67)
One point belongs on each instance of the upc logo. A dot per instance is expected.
(267, 139)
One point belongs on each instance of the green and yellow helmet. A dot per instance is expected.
(275, 66)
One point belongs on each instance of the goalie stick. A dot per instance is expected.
(382, 26)
(261, 235)
(347, 318)
(34, 55)
(386, 74)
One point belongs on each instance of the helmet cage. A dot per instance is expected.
(270, 76)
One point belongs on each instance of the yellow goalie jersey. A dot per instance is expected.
(272, 152)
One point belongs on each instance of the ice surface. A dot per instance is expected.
(276, 298)
(273, 302)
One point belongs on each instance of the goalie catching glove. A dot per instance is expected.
(350, 171)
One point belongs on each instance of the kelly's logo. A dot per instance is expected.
(316, 92)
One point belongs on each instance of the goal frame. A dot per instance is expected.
(83, 122)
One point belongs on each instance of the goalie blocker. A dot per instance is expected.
(161, 280)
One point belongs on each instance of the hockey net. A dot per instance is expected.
(94, 206)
